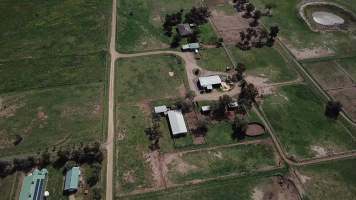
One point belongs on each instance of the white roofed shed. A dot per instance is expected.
(177, 123)
(209, 81)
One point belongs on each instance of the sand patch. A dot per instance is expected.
(309, 53)
(153, 158)
(320, 151)
(129, 176)
(9, 106)
(257, 194)
(177, 163)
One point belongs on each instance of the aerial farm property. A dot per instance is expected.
(178, 99)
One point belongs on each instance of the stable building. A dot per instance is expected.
(71, 183)
(176, 122)
(184, 30)
(207, 83)
(34, 185)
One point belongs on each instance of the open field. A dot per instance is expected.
(240, 188)
(266, 63)
(297, 116)
(298, 36)
(55, 184)
(330, 181)
(214, 59)
(147, 78)
(27, 74)
(50, 117)
(349, 64)
(140, 22)
(9, 186)
(47, 28)
(218, 162)
(329, 75)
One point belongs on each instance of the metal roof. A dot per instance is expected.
(205, 108)
(184, 29)
(191, 46)
(72, 179)
(209, 80)
(33, 185)
(176, 120)
(160, 109)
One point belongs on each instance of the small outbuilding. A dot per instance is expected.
(176, 122)
(184, 30)
(233, 105)
(205, 109)
(160, 109)
(191, 47)
(71, 183)
(209, 82)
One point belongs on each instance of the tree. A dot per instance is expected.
(186, 105)
(190, 94)
(248, 95)
(5, 168)
(249, 8)
(45, 159)
(176, 41)
(197, 16)
(274, 30)
(239, 127)
(202, 127)
(332, 109)
(256, 16)
(97, 193)
(93, 177)
(219, 42)
(153, 133)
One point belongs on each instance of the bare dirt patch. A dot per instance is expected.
(129, 176)
(175, 162)
(154, 160)
(255, 129)
(280, 189)
(229, 26)
(8, 106)
(145, 106)
(198, 140)
(347, 97)
(309, 53)
(5, 140)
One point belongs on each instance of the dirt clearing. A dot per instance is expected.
(280, 188)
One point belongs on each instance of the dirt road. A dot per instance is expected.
(111, 131)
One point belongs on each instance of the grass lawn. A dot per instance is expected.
(218, 162)
(51, 117)
(133, 171)
(49, 72)
(140, 22)
(265, 62)
(9, 186)
(207, 34)
(214, 59)
(147, 78)
(49, 28)
(55, 184)
(298, 34)
(297, 116)
(330, 181)
(328, 74)
(239, 188)
(349, 65)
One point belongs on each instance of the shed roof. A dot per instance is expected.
(184, 29)
(160, 109)
(72, 179)
(205, 108)
(33, 185)
(191, 46)
(176, 120)
(208, 81)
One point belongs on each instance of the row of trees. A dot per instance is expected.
(88, 154)
(252, 37)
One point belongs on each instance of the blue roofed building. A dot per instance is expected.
(72, 180)
(34, 185)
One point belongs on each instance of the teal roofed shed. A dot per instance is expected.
(33, 185)
(72, 180)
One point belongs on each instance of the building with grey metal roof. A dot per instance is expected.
(184, 30)
(208, 82)
(71, 183)
(177, 123)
